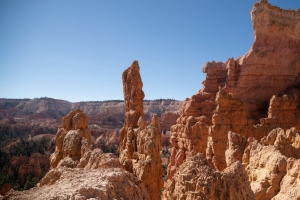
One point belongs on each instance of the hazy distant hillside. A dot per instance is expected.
(21, 117)
(34, 108)
(53, 108)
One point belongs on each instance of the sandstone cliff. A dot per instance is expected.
(238, 94)
(245, 98)
(140, 145)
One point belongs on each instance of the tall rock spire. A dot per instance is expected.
(133, 94)
(140, 144)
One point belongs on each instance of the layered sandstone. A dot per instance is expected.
(274, 56)
(140, 145)
(250, 96)
(284, 110)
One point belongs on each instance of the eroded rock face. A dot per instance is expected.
(235, 148)
(34, 165)
(196, 180)
(250, 96)
(69, 138)
(289, 185)
(168, 119)
(16, 162)
(73, 146)
(140, 144)
(284, 110)
(266, 168)
(274, 56)
(273, 165)
(133, 95)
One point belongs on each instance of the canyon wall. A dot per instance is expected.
(244, 98)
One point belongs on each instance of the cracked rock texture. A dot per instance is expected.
(196, 180)
(273, 165)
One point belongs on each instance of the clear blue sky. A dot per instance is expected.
(76, 50)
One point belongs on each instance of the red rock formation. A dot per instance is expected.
(196, 180)
(272, 169)
(34, 165)
(74, 146)
(284, 111)
(70, 135)
(274, 56)
(6, 187)
(15, 163)
(235, 148)
(273, 165)
(31, 168)
(43, 160)
(140, 144)
(133, 95)
(247, 88)
(168, 119)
